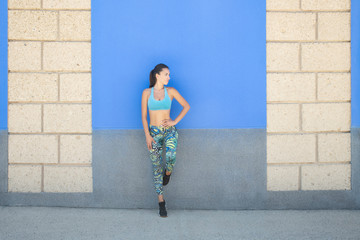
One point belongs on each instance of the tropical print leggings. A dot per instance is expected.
(161, 135)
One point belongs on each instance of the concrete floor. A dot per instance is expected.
(104, 223)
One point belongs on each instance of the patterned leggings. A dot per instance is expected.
(160, 134)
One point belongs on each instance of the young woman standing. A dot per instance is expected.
(162, 128)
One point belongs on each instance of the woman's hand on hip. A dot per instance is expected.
(149, 141)
(168, 122)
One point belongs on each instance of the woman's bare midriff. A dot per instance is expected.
(157, 116)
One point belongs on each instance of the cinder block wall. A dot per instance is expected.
(308, 95)
(49, 96)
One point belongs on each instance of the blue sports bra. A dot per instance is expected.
(154, 104)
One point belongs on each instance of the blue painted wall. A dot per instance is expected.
(216, 52)
(355, 63)
(3, 65)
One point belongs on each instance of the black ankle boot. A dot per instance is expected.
(162, 209)
(166, 178)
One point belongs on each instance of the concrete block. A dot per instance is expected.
(75, 25)
(75, 87)
(334, 147)
(325, 56)
(75, 149)
(24, 56)
(325, 5)
(334, 86)
(282, 56)
(326, 177)
(283, 117)
(21, 4)
(67, 4)
(24, 178)
(334, 26)
(282, 178)
(72, 118)
(282, 5)
(326, 117)
(291, 148)
(33, 148)
(32, 25)
(33, 87)
(67, 56)
(67, 179)
(290, 26)
(287, 87)
(24, 118)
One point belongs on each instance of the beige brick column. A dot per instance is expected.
(49, 96)
(308, 95)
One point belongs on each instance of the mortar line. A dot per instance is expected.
(41, 4)
(290, 41)
(268, 41)
(62, 72)
(58, 25)
(316, 87)
(51, 102)
(274, 71)
(49, 133)
(277, 72)
(287, 102)
(293, 102)
(300, 63)
(306, 11)
(300, 118)
(42, 56)
(58, 78)
(75, 10)
(316, 26)
(8, 103)
(73, 41)
(42, 117)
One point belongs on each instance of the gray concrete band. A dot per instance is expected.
(215, 169)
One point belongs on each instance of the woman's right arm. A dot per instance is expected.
(144, 106)
(144, 113)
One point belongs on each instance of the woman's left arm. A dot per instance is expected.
(183, 112)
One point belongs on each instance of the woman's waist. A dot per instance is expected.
(157, 120)
(160, 126)
(159, 123)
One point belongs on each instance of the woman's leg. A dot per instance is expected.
(156, 159)
(171, 139)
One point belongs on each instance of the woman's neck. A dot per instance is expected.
(159, 87)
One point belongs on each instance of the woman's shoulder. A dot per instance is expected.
(170, 88)
(147, 91)
(170, 91)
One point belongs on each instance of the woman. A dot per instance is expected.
(161, 128)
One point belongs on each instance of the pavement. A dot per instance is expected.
(145, 224)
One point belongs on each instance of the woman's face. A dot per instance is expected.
(164, 76)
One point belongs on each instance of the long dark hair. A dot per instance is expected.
(157, 69)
